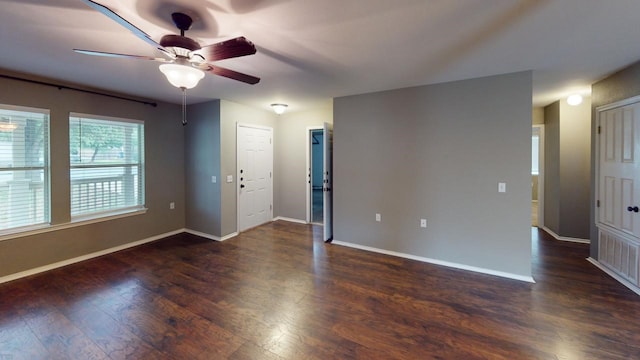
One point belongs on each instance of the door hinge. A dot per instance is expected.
(270, 206)
(599, 129)
(597, 203)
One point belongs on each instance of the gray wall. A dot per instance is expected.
(552, 167)
(575, 169)
(622, 85)
(164, 166)
(537, 116)
(202, 161)
(568, 168)
(211, 151)
(290, 150)
(438, 152)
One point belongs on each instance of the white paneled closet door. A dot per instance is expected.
(618, 204)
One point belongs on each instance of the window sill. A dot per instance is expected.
(75, 222)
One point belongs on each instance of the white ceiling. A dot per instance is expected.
(310, 51)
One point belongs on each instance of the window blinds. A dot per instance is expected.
(106, 164)
(24, 167)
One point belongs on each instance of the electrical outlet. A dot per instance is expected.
(502, 187)
(378, 218)
(172, 205)
(214, 179)
(423, 223)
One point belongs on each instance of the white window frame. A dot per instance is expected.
(46, 169)
(117, 212)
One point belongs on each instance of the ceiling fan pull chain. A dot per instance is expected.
(184, 106)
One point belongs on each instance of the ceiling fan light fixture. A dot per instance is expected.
(279, 108)
(182, 76)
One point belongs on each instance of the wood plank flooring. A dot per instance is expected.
(279, 292)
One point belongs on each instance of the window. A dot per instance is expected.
(24, 167)
(106, 165)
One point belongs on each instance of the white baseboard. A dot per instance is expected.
(620, 279)
(565, 238)
(229, 236)
(201, 234)
(438, 262)
(209, 236)
(78, 259)
(298, 221)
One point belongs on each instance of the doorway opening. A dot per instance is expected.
(316, 176)
(320, 178)
(537, 175)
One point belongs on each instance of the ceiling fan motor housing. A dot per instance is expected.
(179, 42)
(181, 45)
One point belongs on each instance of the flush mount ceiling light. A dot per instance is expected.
(574, 100)
(279, 108)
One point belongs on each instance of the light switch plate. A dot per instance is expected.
(229, 178)
(214, 179)
(502, 187)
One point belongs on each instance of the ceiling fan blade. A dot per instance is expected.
(120, 20)
(231, 48)
(233, 75)
(108, 54)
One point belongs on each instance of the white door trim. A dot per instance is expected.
(238, 205)
(616, 104)
(327, 169)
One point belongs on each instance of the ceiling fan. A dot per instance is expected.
(185, 61)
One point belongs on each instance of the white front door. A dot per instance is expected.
(618, 200)
(327, 173)
(255, 168)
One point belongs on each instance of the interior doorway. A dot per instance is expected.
(320, 177)
(316, 178)
(537, 176)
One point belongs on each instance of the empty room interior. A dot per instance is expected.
(270, 179)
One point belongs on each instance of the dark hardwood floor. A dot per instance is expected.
(279, 292)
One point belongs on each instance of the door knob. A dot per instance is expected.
(634, 209)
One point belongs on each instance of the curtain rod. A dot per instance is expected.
(60, 87)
